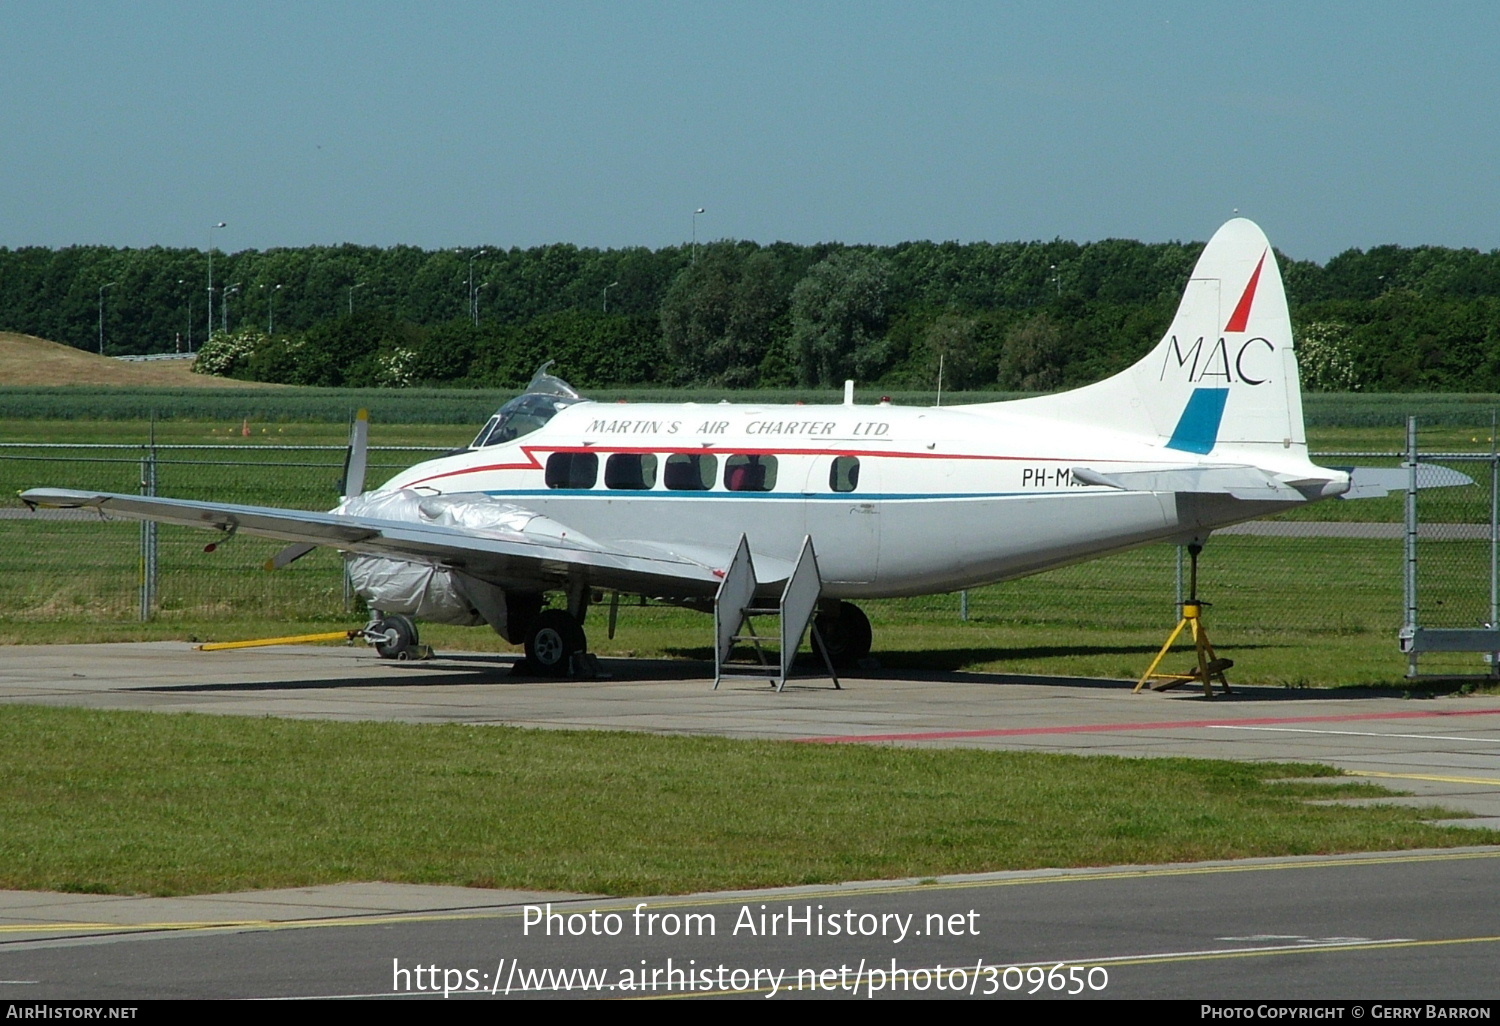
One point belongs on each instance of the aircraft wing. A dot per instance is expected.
(517, 548)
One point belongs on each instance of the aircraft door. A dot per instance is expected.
(843, 517)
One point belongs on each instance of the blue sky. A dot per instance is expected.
(606, 124)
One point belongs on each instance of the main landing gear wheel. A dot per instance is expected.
(396, 636)
(552, 640)
(846, 634)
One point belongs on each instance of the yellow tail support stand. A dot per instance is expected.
(1210, 666)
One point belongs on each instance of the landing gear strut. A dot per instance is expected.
(846, 634)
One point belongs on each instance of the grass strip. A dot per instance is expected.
(123, 802)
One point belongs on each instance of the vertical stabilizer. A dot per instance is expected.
(1224, 374)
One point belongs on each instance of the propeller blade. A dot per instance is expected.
(358, 457)
(289, 555)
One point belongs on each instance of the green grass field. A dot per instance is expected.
(118, 802)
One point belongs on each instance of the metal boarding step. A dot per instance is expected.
(735, 611)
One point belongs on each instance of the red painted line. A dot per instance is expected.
(1112, 728)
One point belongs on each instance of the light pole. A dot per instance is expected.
(1057, 280)
(221, 224)
(476, 302)
(700, 210)
(224, 305)
(473, 292)
(271, 309)
(606, 294)
(101, 314)
(351, 296)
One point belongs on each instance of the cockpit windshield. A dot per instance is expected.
(544, 397)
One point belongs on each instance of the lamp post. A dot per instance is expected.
(221, 224)
(271, 309)
(351, 296)
(700, 210)
(606, 294)
(473, 292)
(224, 305)
(101, 314)
(476, 301)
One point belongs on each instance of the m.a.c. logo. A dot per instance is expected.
(1220, 363)
(1249, 362)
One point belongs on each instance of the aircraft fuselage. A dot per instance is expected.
(898, 500)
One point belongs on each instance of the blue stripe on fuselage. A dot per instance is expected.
(859, 497)
(1198, 428)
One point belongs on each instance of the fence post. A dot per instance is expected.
(1494, 657)
(1410, 579)
(148, 538)
(1178, 608)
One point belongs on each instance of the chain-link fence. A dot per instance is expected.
(1333, 570)
(1451, 559)
(64, 564)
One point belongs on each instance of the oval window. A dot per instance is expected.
(750, 473)
(844, 475)
(691, 471)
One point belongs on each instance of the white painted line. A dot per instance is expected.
(1360, 733)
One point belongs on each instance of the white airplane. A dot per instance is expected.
(560, 494)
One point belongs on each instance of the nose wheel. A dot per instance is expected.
(394, 636)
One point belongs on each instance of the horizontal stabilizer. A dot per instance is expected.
(1241, 481)
(1375, 482)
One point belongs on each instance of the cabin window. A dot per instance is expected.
(631, 471)
(691, 471)
(750, 473)
(844, 476)
(572, 470)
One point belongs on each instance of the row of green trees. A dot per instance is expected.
(1014, 315)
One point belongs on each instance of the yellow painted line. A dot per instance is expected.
(689, 901)
(1213, 956)
(1108, 962)
(1425, 776)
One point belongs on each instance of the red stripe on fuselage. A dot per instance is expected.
(531, 462)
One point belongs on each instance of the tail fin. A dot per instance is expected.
(1223, 375)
